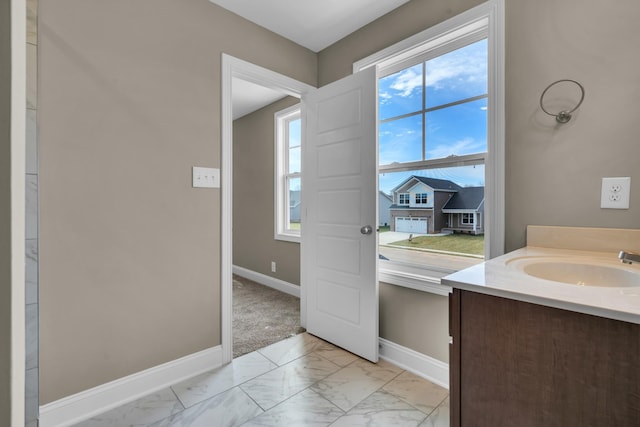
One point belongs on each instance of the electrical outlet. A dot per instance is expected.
(615, 193)
(273, 266)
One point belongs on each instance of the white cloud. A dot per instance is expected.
(467, 65)
(458, 148)
(384, 98)
(407, 82)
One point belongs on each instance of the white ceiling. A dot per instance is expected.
(249, 97)
(314, 24)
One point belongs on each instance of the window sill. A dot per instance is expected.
(425, 281)
(294, 238)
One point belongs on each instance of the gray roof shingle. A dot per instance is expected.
(438, 184)
(467, 198)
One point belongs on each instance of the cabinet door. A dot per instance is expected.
(524, 364)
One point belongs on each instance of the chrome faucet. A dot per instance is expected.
(629, 257)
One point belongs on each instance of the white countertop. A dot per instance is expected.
(503, 278)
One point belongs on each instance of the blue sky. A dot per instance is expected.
(294, 146)
(454, 130)
(295, 154)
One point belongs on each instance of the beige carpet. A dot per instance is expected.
(262, 316)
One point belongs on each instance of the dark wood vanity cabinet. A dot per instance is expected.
(519, 364)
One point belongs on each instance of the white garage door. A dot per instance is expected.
(411, 225)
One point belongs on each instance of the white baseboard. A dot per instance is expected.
(422, 365)
(86, 404)
(271, 282)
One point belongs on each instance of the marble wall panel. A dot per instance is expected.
(31, 396)
(31, 206)
(31, 271)
(32, 76)
(32, 336)
(32, 142)
(32, 21)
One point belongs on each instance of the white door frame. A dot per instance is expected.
(234, 67)
(15, 200)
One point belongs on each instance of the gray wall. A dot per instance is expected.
(418, 320)
(5, 214)
(129, 101)
(554, 171)
(253, 197)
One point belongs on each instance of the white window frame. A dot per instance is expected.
(406, 197)
(419, 197)
(282, 176)
(467, 218)
(487, 18)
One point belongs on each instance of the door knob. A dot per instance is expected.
(367, 229)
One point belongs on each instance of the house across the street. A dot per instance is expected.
(294, 206)
(384, 204)
(428, 205)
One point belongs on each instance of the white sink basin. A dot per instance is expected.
(579, 272)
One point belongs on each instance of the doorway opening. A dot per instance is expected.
(249, 259)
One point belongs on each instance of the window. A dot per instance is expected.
(441, 134)
(435, 110)
(433, 139)
(403, 198)
(467, 218)
(288, 180)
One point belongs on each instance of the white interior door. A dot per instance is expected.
(339, 242)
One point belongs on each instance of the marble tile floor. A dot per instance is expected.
(301, 381)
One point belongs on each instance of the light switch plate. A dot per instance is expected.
(206, 177)
(615, 193)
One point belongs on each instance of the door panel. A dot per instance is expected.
(335, 159)
(338, 254)
(339, 270)
(349, 202)
(345, 307)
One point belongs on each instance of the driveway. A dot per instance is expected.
(396, 236)
(419, 257)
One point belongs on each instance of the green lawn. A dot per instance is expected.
(462, 243)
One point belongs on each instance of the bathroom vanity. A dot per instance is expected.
(547, 335)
